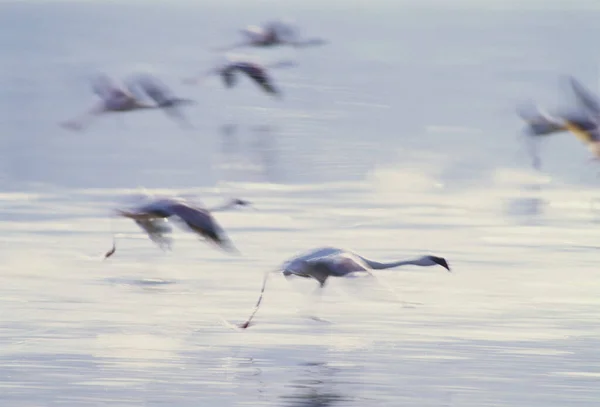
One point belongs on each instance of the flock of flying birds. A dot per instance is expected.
(144, 91)
(154, 216)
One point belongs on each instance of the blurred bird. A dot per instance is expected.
(583, 124)
(133, 96)
(322, 263)
(271, 34)
(152, 218)
(229, 70)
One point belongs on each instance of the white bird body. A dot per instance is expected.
(325, 262)
(115, 98)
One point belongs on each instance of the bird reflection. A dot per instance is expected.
(316, 389)
(527, 206)
(254, 153)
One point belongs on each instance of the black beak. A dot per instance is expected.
(442, 262)
(244, 203)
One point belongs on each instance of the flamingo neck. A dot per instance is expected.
(375, 265)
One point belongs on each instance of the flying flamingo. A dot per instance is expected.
(584, 124)
(131, 97)
(271, 34)
(229, 70)
(322, 263)
(152, 218)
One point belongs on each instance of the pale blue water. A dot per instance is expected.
(397, 138)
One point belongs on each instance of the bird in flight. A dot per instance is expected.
(140, 92)
(153, 217)
(583, 124)
(273, 33)
(230, 69)
(322, 263)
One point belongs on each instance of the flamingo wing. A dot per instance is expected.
(151, 87)
(261, 78)
(157, 229)
(338, 265)
(539, 122)
(585, 98)
(103, 86)
(229, 77)
(201, 222)
(284, 31)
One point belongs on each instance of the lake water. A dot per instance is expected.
(398, 138)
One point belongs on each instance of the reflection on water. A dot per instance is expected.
(143, 282)
(315, 387)
(527, 207)
(249, 154)
(245, 371)
(595, 209)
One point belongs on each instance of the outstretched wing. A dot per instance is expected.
(260, 77)
(103, 86)
(201, 222)
(155, 89)
(338, 265)
(157, 229)
(539, 122)
(229, 77)
(160, 93)
(584, 130)
(542, 123)
(585, 98)
(151, 87)
(284, 31)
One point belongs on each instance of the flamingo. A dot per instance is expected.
(322, 263)
(584, 124)
(231, 67)
(152, 218)
(129, 98)
(271, 34)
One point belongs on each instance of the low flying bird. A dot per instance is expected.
(273, 33)
(231, 68)
(131, 97)
(583, 124)
(322, 263)
(152, 218)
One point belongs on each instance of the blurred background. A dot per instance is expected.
(400, 84)
(398, 137)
